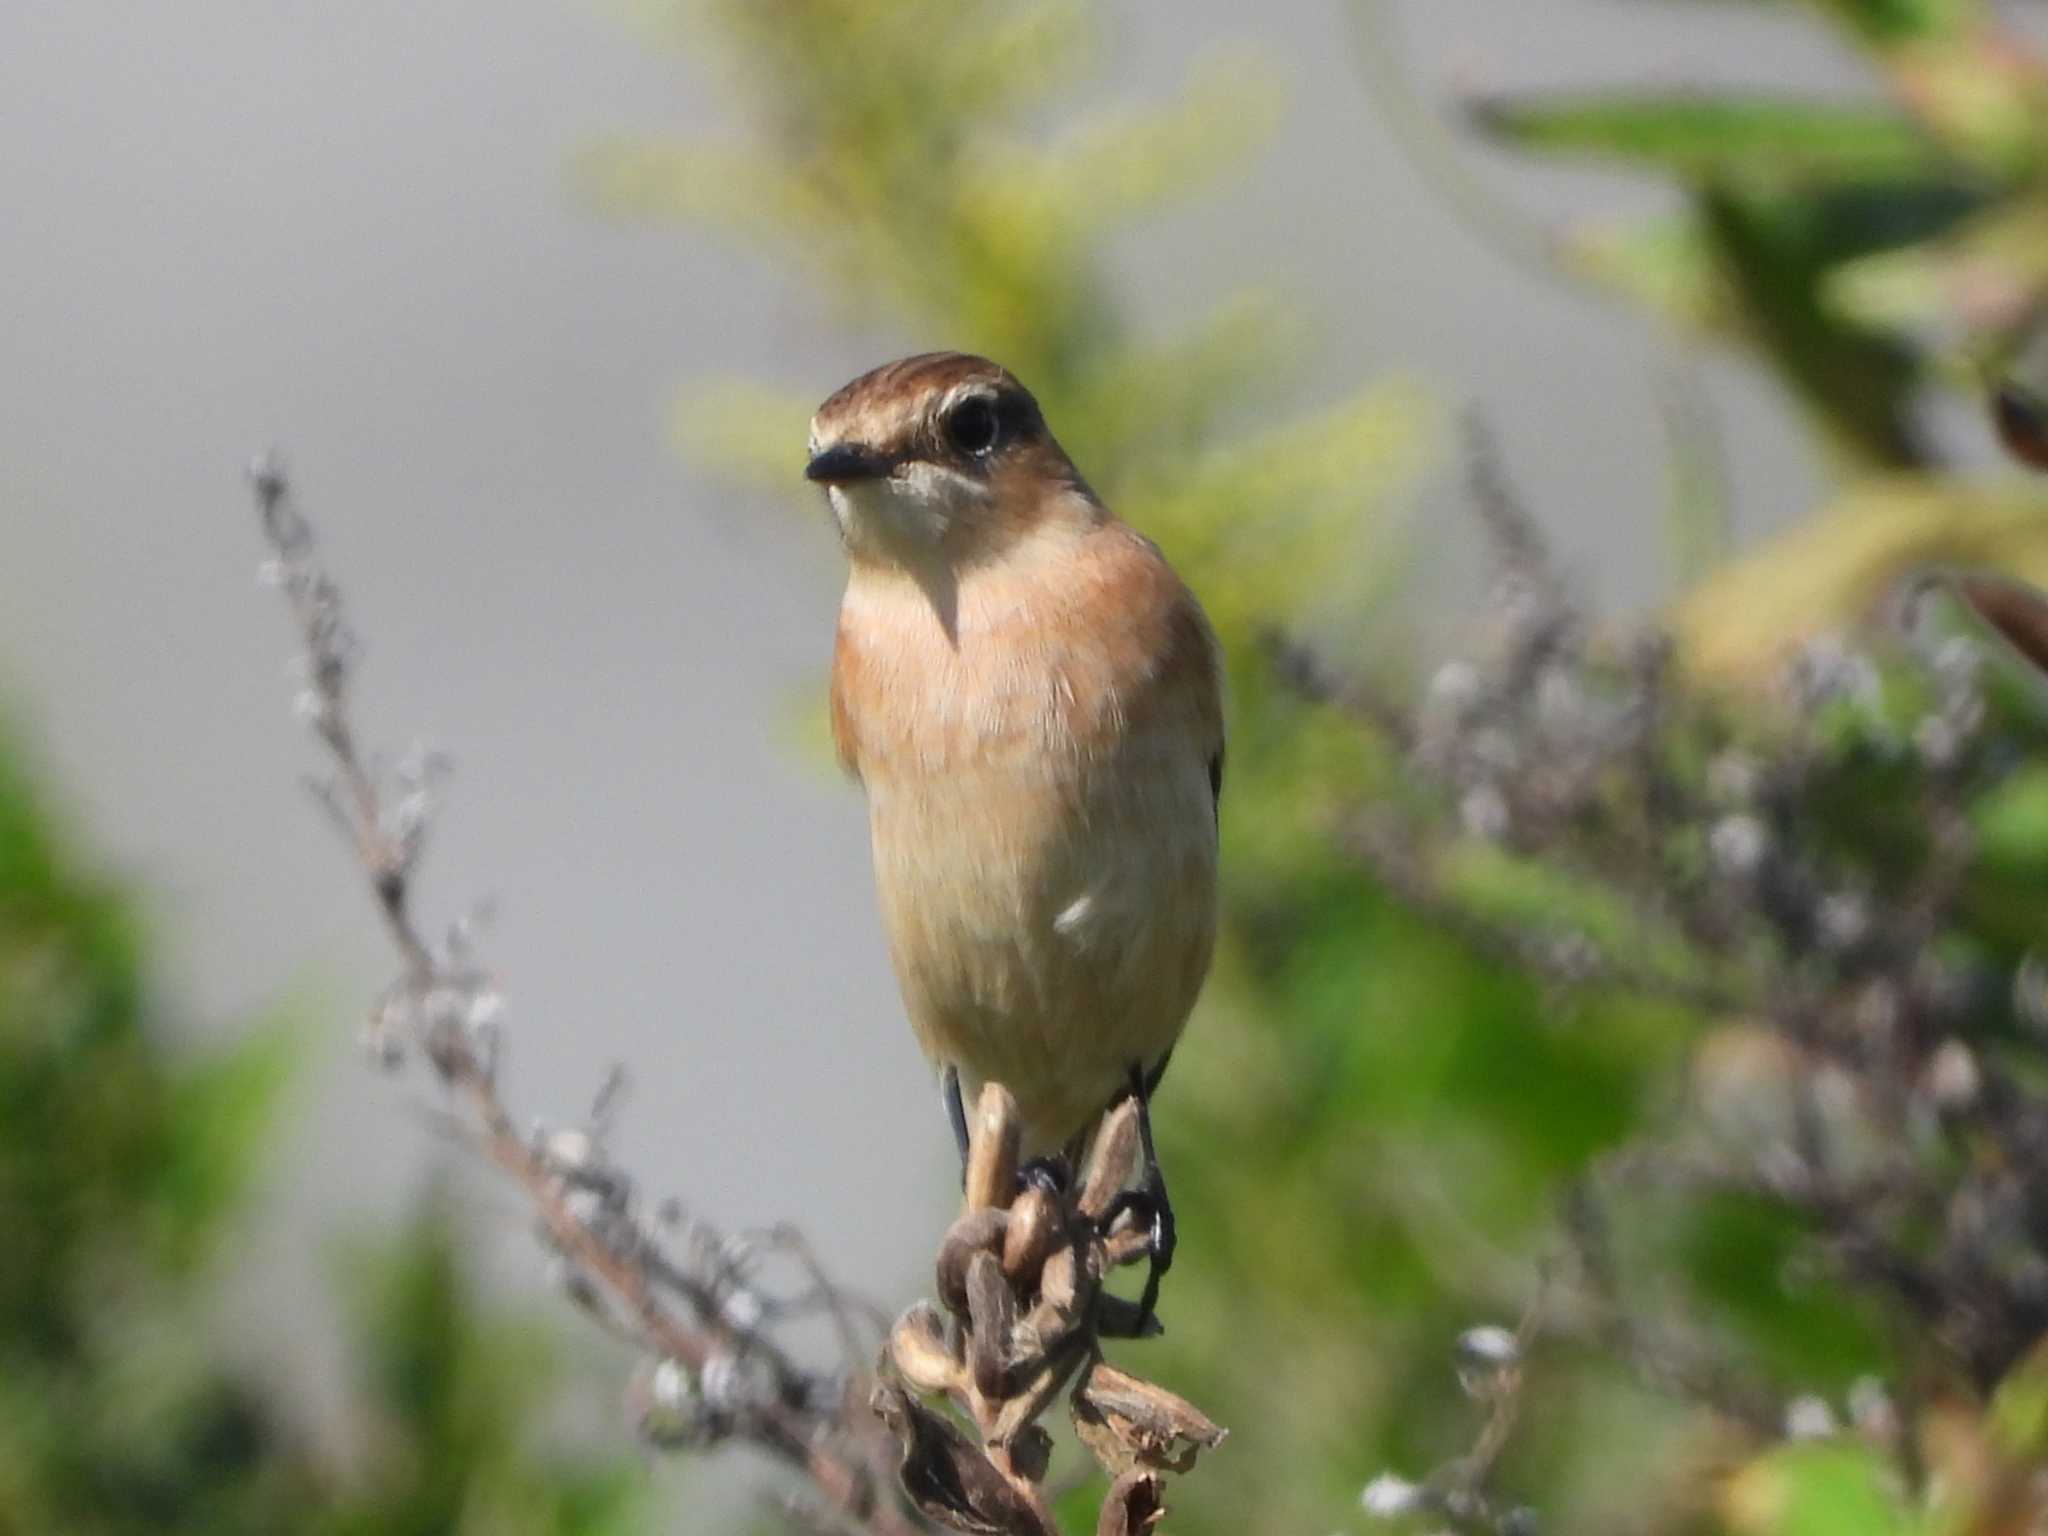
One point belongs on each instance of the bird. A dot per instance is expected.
(1032, 701)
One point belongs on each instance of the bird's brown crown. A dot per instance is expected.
(943, 407)
(940, 453)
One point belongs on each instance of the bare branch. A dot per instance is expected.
(716, 1371)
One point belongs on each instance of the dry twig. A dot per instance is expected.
(715, 1369)
(1020, 1276)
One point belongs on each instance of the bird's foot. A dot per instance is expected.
(1147, 1208)
(1052, 1175)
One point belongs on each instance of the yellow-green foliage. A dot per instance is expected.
(937, 168)
(1868, 251)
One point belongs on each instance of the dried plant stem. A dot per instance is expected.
(623, 1274)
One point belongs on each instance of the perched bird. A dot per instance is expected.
(1031, 698)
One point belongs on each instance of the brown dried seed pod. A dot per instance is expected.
(1022, 1409)
(1131, 1423)
(1034, 1228)
(991, 1310)
(1067, 1288)
(1127, 1244)
(1135, 1506)
(917, 1348)
(1031, 1453)
(1117, 1317)
(978, 1231)
(1110, 1161)
(1059, 1281)
(948, 1477)
(994, 1139)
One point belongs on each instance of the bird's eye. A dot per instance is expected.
(972, 426)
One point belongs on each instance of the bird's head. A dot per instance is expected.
(940, 458)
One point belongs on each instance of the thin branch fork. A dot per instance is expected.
(445, 1004)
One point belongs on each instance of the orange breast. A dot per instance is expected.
(1041, 810)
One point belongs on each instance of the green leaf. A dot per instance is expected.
(1665, 264)
(1890, 23)
(1818, 1489)
(2018, 1416)
(221, 1110)
(1777, 248)
(1834, 569)
(1716, 136)
(1988, 270)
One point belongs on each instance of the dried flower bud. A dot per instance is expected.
(1127, 1422)
(1937, 742)
(1033, 1228)
(1489, 1345)
(1843, 921)
(742, 1309)
(918, 1349)
(1733, 777)
(585, 1206)
(1135, 1506)
(1487, 1359)
(1495, 751)
(992, 1153)
(389, 1028)
(1871, 1409)
(1483, 811)
(666, 1409)
(734, 1381)
(1808, 1417)
(1738, 845)
(947, 1476)
(1389, 1497)
(1109, 1161)
(992, 1311)
(1952, 1079)
(569, 1150)
(1067, 1290)
(1827, 669)
(1454, 687)
(672, 1385)
(979, 1231)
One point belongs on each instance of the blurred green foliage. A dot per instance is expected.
(123, 1166)
(1868, 250)
(1372, 1120)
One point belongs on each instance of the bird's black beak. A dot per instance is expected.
(846, 461)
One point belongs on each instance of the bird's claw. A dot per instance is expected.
(1052, 1175)
(1148, 1208)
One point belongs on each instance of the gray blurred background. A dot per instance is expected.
(347, 229)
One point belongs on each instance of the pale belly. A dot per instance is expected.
(1049, 935)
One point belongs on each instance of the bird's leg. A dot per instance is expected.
(1148, 1203)
(956, 1114)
